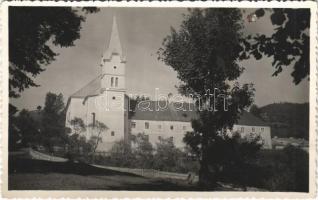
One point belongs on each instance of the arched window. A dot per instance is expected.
(116, 82)
(111, 81)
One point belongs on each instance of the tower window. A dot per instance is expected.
(146, 125)
(116, 82)
(253, 129)
(133, 124)
(112, 133)
(171, 127)
(262, 129)
(93, 119)
(112, 81)
(115, 67)
(114, 97)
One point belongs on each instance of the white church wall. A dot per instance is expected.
(76, 109)
(112, 117)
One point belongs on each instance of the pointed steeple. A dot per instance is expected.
(114, 45)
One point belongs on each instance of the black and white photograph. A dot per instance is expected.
(187, 99)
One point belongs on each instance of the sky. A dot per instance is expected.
(141, 32)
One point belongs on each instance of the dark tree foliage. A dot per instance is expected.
(255, 110)
(167, 155)
(53, 121)
(204, 51)
(287, 119)
(28, 129)
(285, 170)
(32, 33)
(288, 45)
(143, 151)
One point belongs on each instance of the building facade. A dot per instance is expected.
(104, 100)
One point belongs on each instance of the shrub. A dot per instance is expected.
(287, 170)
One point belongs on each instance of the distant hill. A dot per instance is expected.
(287, 119)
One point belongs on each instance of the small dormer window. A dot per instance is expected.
(116, 82)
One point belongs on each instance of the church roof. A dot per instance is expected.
(90, 89)
(171, 113)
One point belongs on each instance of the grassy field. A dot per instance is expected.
(28, 174)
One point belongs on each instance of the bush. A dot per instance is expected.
(286, 170)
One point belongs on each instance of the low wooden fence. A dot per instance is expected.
(152, 173)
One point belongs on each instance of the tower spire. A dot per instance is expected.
(114, 43)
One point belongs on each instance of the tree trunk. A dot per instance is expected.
(207, 179)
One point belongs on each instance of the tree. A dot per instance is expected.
(78, 125)
(167, 155)
(204, 52)
(98, 128)
(255, 110)
(32, 33)
(288, 45)
(122, 155)
(143, 151)
(28, 128)
(53, 121)
(235, 156)
(14, 135)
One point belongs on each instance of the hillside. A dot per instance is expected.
(287, 119)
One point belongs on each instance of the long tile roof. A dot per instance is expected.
(172, 113)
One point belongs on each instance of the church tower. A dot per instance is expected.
(113, 88)
(113, 63)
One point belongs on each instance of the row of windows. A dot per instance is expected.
(159, 126)
(159, 138)
(253, 129)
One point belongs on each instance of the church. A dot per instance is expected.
(104, 100)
